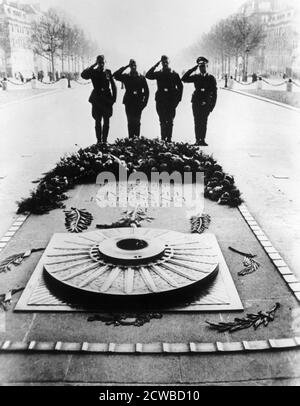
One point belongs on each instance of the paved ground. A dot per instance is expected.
(256, 141)
(17, 95)
(257, 291)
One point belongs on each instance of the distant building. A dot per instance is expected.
(15, 52)
(35, 14)
(279, 53)
(282, 43)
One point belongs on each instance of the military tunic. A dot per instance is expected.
(204, 100)
(135, 99)
(168, 96)
(102, 99)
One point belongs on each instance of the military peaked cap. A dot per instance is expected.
(202, 61)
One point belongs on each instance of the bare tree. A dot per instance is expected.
(232, 37)
(47, 36)
(55, 36)
(247, 36)
(63, 43)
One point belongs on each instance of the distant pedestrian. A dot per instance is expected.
(57, 76)
(103, 96)
(226, 80)
(254, 78)
(4, 84)
(204, 98)
(136, 96)
(259, 83)
(33, 81)
(40, 75)
(168, 95)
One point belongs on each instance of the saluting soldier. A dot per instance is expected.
(168, 95)
(102, 97)
(136, 96)
(204, 98)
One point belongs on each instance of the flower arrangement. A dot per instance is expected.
(140, 154)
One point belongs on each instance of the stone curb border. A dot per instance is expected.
(151, 348)
(17, 224)
(254, 96)
(279, 263)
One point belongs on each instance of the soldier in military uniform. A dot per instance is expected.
(168, 95)
(136, 96)
(102, 97)
(204, 98)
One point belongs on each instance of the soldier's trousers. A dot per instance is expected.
(134, 115)
(101, 124)
(166, 113)
(200, 117)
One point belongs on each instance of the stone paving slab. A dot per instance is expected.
(258, 291)
(209, 369)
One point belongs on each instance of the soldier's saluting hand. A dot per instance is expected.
(204, 98)
(136, 96)
(168, 95)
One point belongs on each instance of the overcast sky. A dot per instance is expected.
(145, 29)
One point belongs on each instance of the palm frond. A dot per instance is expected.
(200, 223)
(130, 218)
(77, 220)
(251, 320)
(250, 265)
(16, 259)
(6, 298)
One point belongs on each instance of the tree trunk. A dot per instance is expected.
(236, 66)
(62, 62)
(245, 67)
(5, 64)
(52, 66)
(222, 64)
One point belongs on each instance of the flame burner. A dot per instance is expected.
(131, 251)
(132, 264)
